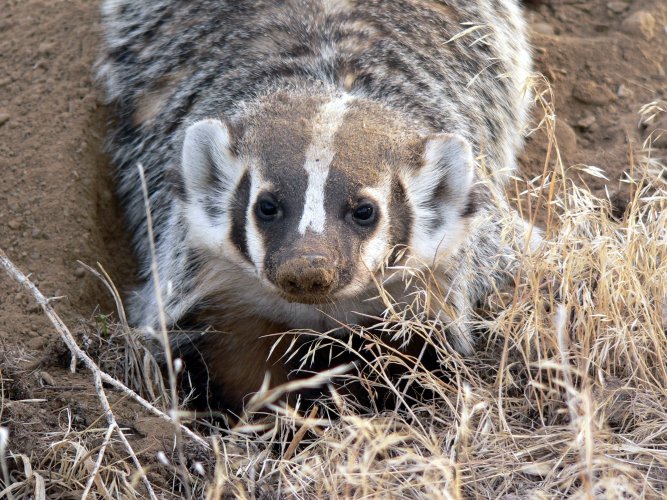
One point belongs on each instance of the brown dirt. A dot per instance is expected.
(601, 70)
(56, 199)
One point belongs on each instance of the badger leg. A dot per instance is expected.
(228, 363)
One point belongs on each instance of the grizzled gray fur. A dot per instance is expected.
(296, 151)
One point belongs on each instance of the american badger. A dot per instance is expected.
(301, 154)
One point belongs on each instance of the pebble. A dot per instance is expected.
(4, 118)
(641, 23)
(544, 29)
(79, 272)
(624, 92)
(35, 233)
(618, 7)
(46, 48)
(592, 93)
(46, 378)
(15, 224)
(587, 122)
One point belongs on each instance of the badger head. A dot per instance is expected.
(313, 195)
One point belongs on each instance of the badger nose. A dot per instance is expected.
(310, 274)
(316, 259)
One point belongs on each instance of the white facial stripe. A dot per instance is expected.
(319, 156)
(313, 208)
(256, 249)
(374, 250)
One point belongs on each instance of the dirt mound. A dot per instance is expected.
(604, 61)
(56, 200)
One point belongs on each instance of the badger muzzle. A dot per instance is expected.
(308, 277)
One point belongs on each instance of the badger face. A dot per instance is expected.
(313, 195)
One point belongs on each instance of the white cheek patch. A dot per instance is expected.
(319, 155)
(201, 233)
(437, 246)
(374, 251)
(255, 242)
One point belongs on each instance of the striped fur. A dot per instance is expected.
(318, 109)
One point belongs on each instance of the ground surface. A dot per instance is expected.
(603, 59)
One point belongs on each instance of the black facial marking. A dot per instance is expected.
(238, 214)
(174, 177)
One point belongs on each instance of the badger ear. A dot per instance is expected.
(209, 175)
(440, 193)
(207, 161)
(448, 168)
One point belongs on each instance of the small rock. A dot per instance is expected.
(35, 233)
(587, 122)
(79, 272)
(592, 93)
(46, 48)
(15, 224)
(4, 118)
(46, 378)
(624, 92)
(618, 7)
(641, 23)
(544, 29)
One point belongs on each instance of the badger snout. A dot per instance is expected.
(309, 277)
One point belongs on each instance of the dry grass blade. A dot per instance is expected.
(94, 472)
(299, 435)
(78, 353)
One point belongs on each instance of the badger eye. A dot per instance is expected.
(364, 214)
(267, 209)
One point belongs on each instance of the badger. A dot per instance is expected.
(300, 155)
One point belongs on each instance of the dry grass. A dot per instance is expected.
(566, 395)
